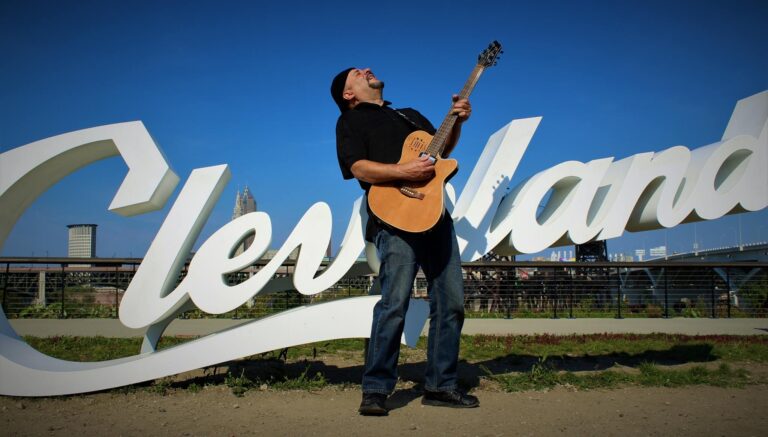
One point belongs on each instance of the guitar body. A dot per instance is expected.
(410, 213)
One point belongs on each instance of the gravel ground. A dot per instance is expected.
(332, 411)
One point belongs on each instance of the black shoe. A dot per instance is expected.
(373, 404)
(452, 399)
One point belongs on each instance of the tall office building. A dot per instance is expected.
(82, 241)
(244, 204)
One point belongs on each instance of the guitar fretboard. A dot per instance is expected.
(437, 145)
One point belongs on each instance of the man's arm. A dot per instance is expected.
(463, 109)
(376, 173)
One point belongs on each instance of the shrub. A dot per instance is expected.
(754, 297)
(653, 311)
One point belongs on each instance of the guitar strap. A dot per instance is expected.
(408, 119)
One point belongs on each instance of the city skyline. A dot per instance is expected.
(245, 203)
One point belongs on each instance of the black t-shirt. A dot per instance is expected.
(375, 133)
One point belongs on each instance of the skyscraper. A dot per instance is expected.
(244, 204)
(82, 242)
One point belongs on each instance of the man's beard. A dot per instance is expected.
(377, 85)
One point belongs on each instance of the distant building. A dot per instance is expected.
(269, 254)
(621, 257)
(82, 241)
(244, 204)
(659, 252)
(562, 256)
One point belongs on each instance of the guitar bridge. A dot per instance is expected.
(410, 192)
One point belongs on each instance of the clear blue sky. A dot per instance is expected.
(246, 83)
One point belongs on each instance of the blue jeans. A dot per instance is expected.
(401, 254)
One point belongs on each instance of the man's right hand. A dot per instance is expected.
(420, 169)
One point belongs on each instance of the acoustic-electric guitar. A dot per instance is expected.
(418, 206)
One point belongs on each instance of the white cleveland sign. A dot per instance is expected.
(589, 201)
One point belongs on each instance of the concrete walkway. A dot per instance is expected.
(113, 327)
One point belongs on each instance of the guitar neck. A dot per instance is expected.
(440, 139)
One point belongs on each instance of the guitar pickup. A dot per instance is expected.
(410, 192)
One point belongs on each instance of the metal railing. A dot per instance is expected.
(76, 288)
(625, 289)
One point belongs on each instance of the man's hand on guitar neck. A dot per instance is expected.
(419, 169)
(461, 108)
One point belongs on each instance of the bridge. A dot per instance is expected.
(752, 252)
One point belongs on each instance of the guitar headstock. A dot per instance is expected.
(490, 56)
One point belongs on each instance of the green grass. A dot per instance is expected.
(544, 376)
(473, 348)
(238, 384)
(94, 348)
(241, 384)
(654, 346)
(161, 386)
(325, 348)
(302, 382)
(514, 362)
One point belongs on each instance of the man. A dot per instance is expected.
(369, 141)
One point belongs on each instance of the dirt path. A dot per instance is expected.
(215, 411)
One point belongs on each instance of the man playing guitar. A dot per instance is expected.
(369, 141)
